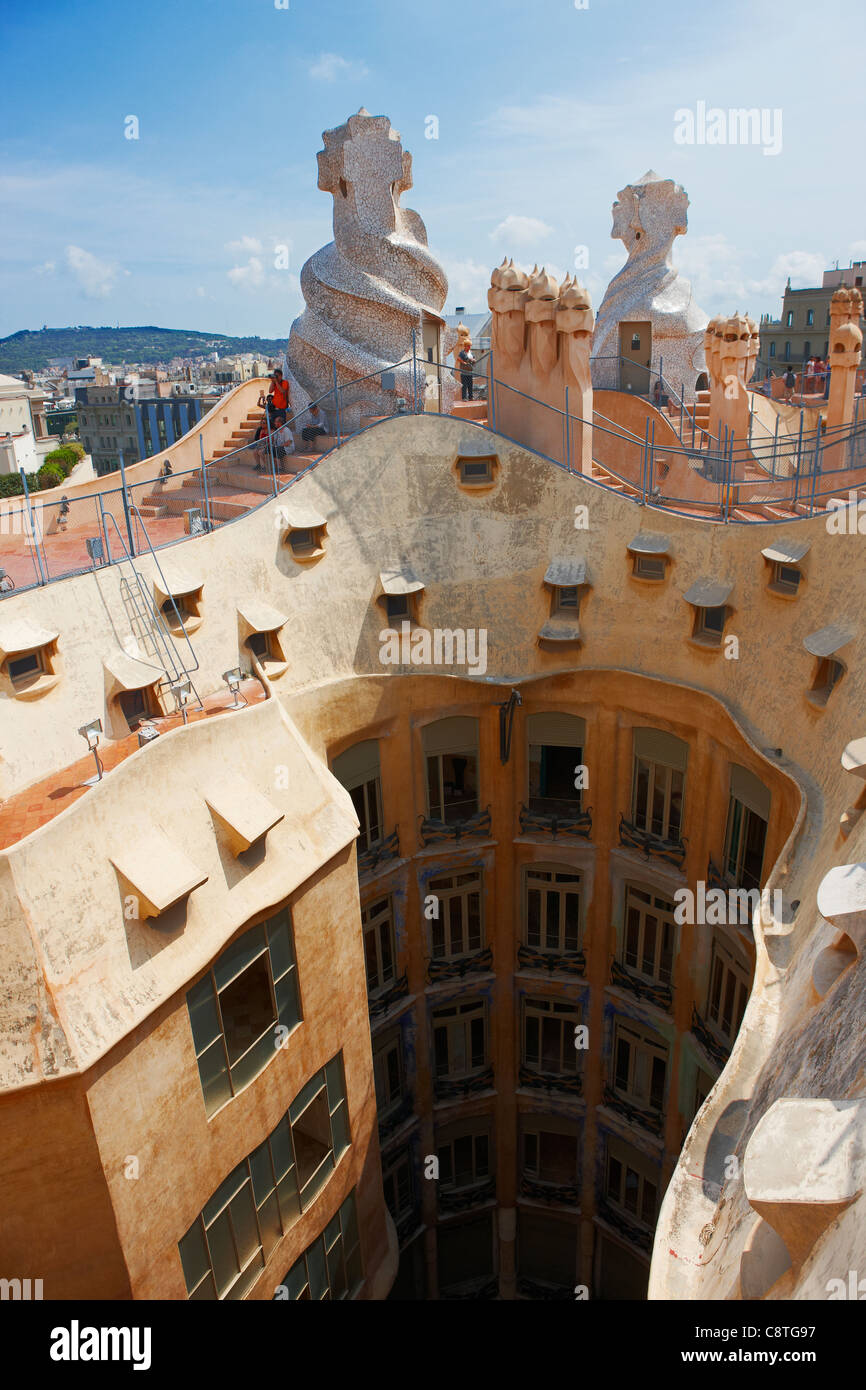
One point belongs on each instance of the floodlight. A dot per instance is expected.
(91, 733)
(182, 693)
(233, 680)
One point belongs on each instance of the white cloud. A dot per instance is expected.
(47, 268)
(520, 231)
(245, 243)
(556, 121)
(468, 283)
(248, 276)
(857, 249)
(806, 268)
(329, 66)
(96, 278)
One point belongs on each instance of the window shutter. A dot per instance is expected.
(556, 730)
(459, 735)
(661, 747)
(359, 764)
(746, 787)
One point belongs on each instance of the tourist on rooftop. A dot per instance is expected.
(282, 439)
(466, 358)
(318, 425)
(63, 514)
(278, 396)
(790, 383)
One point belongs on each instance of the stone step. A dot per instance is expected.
(469, 410)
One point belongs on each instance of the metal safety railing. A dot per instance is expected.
(769, 475)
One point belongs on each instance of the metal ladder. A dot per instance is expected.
(146, 619)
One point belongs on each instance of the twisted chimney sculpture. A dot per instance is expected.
(376, 282)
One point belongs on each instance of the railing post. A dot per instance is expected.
(103, 528)
(337, 403)
(414, 375)
(204, 488)
(491, 393)
(816, 464)
(567, 434)
(126, 505)
(34, 539)
(799, 458)
(646, 436)
(775, 445)
(651, 462)
(682, 407)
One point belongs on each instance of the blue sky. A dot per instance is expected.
(545, 111)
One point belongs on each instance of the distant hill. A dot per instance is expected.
(32, 349)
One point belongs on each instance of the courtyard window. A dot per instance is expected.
(648, 939)
(729, 989)
(388, 1073)
(550, 1149)
(640, 1066)
(553, 909)
(549, 1036)
(235, 1008)
(459, 929)
(451, 757)
(460, 1039)
(464, 1154)
(358, 771)
(555, 754)
(631, 1182)
(378, 927)
(226, 1248)
(746, 833)
(658, 786)
(330, 1269)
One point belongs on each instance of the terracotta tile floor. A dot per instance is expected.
(26, 810)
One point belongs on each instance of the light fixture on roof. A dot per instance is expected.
(91, 733)
(233, 681)
(182, 693)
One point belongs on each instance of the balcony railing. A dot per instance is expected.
(646, 1119)
(652, 845)
(568, 1083)
(391, 1121)
(560, 1194)
(536, 1288)
(654, 993)
(453, 1199)
(455, 1088)
(575, 824)
(379, 1004)
(379, 853)
(708, 1041)
(477, 963)
(634, 1233)
(571, 962)
(434, 832)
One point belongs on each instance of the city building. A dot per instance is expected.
(24, 435)
(135, 420)
(803, 330)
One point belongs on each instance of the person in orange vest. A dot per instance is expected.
(278, 396)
